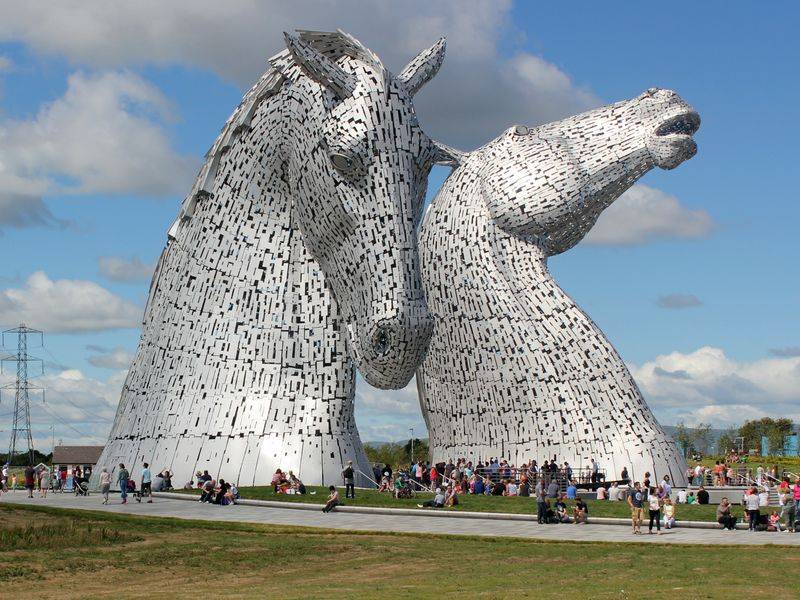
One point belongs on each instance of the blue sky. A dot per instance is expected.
(104, 115)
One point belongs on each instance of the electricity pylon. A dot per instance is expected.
(22, 388)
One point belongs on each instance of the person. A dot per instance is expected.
(44, 482)
(763, 495)
(552, 489)
(702, 495)
(666, 486)
(572, 491)
(333, 499)
(724, 516)
(524, 489)
(511, 488)
(479, 488)
(207, 495)
(14, 482)
(147, 483)
(613, 492)
(206, 477)
(30, 476)
(437, 502)
(581, 512)
(499, 488)
(105, 484)
(122, 480)
(541, 505)
(753, 512)
(624, 475)
(595, 471)
(221, 496)
(669, 513)
(774, 522)
(434, 475)
(348, 475)
(654, 510)
(451, 497)
(682, 495)
(561, 510)
(690, 498)
(233, 493)
(602, 493)
(635, 501)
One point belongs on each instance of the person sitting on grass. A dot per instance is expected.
(702, 495)
(602, 493)
(220, 495)
(437, 502)
(690, 498)
(278, 480)
(669, 513)
(499, 489)
(524, 489)
(580, 513)
(774, 522)
(487, 486)
(385, 485)
(562, 515)
(298, 487)
(333, 499)
(451, 497)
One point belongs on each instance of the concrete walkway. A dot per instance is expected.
(417, 523)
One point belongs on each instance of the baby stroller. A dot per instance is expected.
(80, 486)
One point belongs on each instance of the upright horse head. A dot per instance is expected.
(357, 164)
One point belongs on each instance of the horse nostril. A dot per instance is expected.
(380, 341)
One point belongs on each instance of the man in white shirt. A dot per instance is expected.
(682, 496)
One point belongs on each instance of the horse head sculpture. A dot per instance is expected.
(357, 162)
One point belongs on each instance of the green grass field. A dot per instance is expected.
(473, 503)
(55, 553)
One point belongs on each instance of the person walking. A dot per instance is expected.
(753, 511)
(105, 484)
(654, 506)
(349, 477)
(541, 501)
(635, 501)
(122, 480)
(790, 509)
(147, 483)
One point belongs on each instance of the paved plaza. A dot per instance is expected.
(184, 509)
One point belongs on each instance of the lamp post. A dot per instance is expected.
(411, 429)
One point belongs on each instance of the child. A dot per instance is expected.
(669, 513)
(774, 521)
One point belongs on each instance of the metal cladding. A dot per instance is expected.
(515, 368)
(293, 260)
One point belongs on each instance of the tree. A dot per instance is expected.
(727, 441)
(774, 430)
(702, 438)
(683, 437)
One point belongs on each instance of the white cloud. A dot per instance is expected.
(110, 358)
(81, 408)
(66, 306)
(706, 385)
(644, 214)
(476, 95)
(104, 135)
(19, 210)
(678, 301)
(387, 415)
(121, 269)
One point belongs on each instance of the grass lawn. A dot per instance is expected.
(597, 508)
(56, 553)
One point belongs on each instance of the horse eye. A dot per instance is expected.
(343, 163)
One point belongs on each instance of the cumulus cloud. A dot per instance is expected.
(387, 415)
(643, 215)
(708, 386)
(678, 301)
(109, 358)
(81, 408)
(117, 268)
(66, 306)
(104, 135)
(20, 210)
(476, 95)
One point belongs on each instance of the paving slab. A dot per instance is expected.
(416, 523)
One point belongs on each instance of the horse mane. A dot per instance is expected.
(332, 44)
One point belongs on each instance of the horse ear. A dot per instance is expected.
(445, 155)
(319, 67)
(423, 67)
